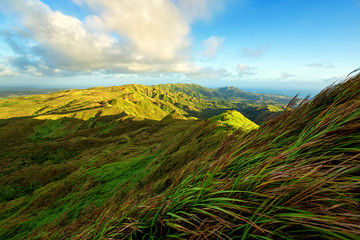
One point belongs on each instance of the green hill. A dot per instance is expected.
(150, 102)
(234, 120)
(229, 94)
(179, 161)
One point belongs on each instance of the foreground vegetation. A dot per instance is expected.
(97, 175)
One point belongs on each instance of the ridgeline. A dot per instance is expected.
(180, 161)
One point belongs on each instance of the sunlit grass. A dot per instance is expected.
(71, 173)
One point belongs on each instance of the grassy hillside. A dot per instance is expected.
(65, 156)
(133, 162)
(58, 178)
(138, 101)
(234, 120)
(296, 177)
(229, 94)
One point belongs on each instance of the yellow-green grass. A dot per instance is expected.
(234, 120)
(297, 177)
(95, 163)
(151, 102)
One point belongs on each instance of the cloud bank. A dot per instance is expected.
(118, 36)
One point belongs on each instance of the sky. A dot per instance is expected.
(281, 45)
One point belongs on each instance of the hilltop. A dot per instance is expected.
(234, 120)
(180, 161)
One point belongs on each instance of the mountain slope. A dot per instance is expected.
(66, 156)
(296, 177)
(137, 101)
(51, 182)
(120, 176)
(230, 94)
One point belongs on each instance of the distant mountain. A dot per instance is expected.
(139, 101)
(180, 161)
(230, 94)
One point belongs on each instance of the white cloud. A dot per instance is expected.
(63, 41)
(244, 69)
(155, 30)
(321, 65)
(287, 75)
(213, 44)
(120, 36)
(209, 73)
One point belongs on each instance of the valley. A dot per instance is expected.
(177, 161)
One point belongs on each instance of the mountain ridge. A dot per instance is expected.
(101, 173)
(134, 99)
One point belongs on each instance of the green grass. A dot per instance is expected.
(51, 129)
(9, 103)
(145, 102)
(234, 120)
(71, 175)
(296, 177)
(129, 163)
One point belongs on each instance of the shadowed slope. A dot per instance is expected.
(60, 182)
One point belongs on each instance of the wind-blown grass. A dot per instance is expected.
(296, 177)
(105, 177)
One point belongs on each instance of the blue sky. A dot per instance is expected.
(299, 45)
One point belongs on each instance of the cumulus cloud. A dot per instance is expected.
(321, 65)
(120, 36)
(213, 44)
(62, 40)
(244, 69)
(156, 31)
(287, 75)
(255, 52)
